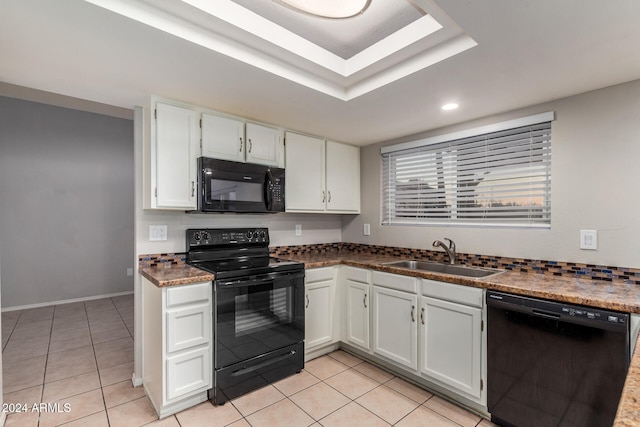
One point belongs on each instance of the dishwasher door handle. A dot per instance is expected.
(545, 315)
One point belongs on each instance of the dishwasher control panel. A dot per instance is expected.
(593, 314)
(553, 310)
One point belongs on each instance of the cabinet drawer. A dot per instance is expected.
(188, 328)
(319, 274)
(188, 372)
(357, 274)
(455, 293)
(189, 294)
(395, 281)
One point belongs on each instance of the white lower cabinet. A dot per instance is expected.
(430, 331)
(187, 372)
(395, 329)
(357, 299)
(320, 286)
(451, 337)
(177, 345)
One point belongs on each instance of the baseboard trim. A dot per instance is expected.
(136, 381)
(65, 301)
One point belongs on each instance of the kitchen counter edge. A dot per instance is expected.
(175, 275)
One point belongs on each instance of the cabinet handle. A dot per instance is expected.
(413, 318)
(193, 188)
(250, 145)
(324, 196)
(307, 306)
(364, 300)
(240, 145)
(329, 201)
(422, 315)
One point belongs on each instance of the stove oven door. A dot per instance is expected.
(259, 332)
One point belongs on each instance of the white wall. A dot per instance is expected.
(595, 179)
(315, 228)
(66, 210)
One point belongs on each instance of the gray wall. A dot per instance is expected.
(66, 203)
(595, 178)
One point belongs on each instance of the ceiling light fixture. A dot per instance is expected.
(332, 9)
(449, 107)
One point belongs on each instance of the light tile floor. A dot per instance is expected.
(81, 355)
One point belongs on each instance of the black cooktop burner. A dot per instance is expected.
(232, 253)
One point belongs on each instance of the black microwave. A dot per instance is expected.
(225, 186)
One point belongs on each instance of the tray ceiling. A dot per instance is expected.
(341, 58)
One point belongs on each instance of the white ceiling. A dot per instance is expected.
(343, 37)
(510, 54)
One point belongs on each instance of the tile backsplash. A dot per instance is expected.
(555, 268)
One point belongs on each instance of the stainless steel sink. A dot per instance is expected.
(436, 267)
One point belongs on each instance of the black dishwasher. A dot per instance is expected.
(554, 364)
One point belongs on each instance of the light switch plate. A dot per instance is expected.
(157, 233)
(589, 239)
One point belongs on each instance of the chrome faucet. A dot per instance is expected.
(450, 250)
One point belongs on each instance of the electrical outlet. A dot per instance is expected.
(589, 239)
(367, 230)
(129, 271)
(157, 233)
(298, 229)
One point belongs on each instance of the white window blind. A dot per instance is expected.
(500, 178)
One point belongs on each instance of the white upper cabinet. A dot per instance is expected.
(174, 152)
(322, 176)
(305, 176)
(228, 138)
(264, 145)
(222, 138)
(343, 178)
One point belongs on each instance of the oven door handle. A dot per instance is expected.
(263, 364)
(262, 280)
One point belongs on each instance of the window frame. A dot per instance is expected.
(459, 169)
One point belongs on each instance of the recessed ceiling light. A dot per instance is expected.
(449, 107)
(334, 9)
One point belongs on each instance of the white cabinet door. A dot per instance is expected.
(395, 330)
(177, 145)
(318, 320)
(451, 345)
(358, 303)
(305, 186)
(188, 328)
(263, 145)
(222, 138)
(188, 372)
(343, 178)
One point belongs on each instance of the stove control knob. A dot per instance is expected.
(196, 236)
(206, 235)
(263, 234)
(249, 234)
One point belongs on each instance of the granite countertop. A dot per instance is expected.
(584, 291)
(570, 289)
(182, 274)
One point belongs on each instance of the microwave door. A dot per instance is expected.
(233, 192)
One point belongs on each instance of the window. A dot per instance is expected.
(498, 175)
